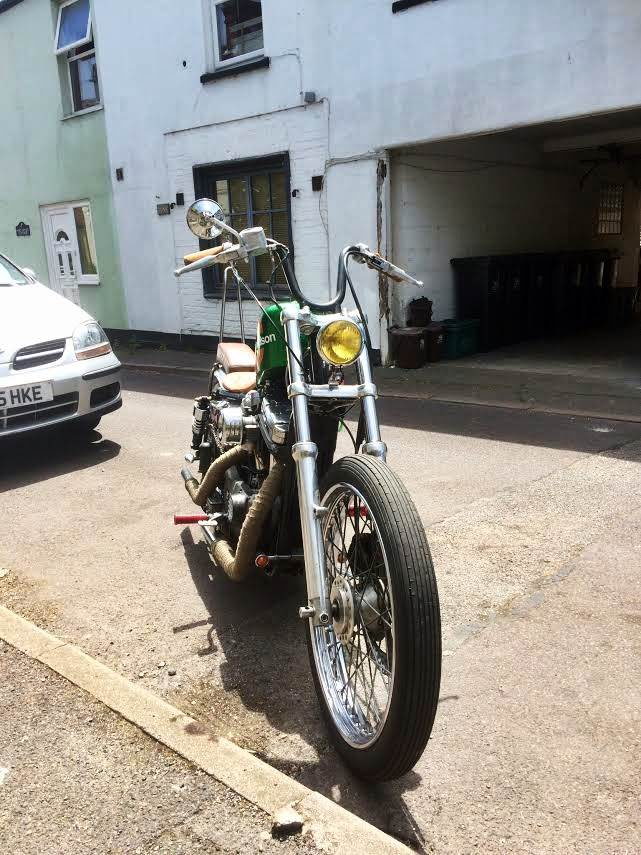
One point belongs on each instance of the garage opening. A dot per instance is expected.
(528, 239)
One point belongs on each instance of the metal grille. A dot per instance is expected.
(610, 217)
(38, 354)
(32, 414)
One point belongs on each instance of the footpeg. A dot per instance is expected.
(189, 519)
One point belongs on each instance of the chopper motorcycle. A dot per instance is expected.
(274, 499)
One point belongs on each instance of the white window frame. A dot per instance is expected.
(233, 60)
(71, 59)
(88, 37)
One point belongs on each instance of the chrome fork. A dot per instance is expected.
(305, 453)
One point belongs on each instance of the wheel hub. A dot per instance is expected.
(370, 612)
(342, 602)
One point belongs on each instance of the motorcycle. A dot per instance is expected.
(274, 499)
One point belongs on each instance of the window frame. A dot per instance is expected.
(88, 37)
(608, 188)
(69, 59)
(205, 178)
(233, 60)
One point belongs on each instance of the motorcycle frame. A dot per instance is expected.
(305, 450)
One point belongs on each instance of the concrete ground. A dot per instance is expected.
(76, 778)
(595, 373)
(534, 521)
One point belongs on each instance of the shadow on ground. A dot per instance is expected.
(547, 430)
(267, 694)
(46, 453)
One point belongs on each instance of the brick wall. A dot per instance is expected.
(300, 131)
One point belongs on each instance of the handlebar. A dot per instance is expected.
(360, 252)
(204, 253)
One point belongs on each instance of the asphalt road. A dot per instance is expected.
(528, 515)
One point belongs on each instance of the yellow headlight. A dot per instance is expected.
(340, 342)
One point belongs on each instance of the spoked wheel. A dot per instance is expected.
(377, 665)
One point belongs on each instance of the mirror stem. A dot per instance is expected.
(224, 227)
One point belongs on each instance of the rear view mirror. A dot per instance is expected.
(206, 219)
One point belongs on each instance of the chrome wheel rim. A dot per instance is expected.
(354, 655)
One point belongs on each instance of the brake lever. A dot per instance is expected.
(381, 265)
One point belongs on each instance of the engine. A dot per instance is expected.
(220, 425)
(232, 425)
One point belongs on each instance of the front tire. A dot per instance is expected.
(377, 667)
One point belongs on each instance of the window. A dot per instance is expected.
(9, 273)
(74, 25)
(238, 30)
(251, 193)
(74, 44)
(83, 78)
(610, 214)
(86, 242)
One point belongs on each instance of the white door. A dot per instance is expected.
(62, 251)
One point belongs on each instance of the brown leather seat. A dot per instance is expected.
(239, 382)
(235, 356)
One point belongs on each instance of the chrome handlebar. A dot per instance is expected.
(360, 252)
(376, 262)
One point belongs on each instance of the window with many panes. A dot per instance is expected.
(74, 43)
(610, 213)
(238, 30)
(251, 193)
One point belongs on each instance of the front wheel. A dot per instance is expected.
(377, 667)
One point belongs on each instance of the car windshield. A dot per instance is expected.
(9, 273)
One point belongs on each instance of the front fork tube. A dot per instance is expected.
(373, 444)
(305, 452)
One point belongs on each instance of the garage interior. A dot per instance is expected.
(535, 234)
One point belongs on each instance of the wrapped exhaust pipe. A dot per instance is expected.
(215, 475)
(238, 565)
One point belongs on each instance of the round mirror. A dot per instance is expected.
(201, 216)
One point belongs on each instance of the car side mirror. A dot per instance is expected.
(30, 273)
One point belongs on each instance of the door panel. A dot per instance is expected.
(62, 251)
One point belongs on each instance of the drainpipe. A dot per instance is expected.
(384, 247)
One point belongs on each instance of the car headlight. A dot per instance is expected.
(90, 340)
(340, 342)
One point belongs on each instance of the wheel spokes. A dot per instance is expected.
(360, 661)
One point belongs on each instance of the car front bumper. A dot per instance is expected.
(80, 387)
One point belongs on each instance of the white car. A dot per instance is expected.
(56, 363)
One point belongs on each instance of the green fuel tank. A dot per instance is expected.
(271, 350)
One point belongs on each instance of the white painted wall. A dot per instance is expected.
(445, 69)
(449, 202)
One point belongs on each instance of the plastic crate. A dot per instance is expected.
(461, 338)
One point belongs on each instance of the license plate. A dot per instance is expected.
(21, 396)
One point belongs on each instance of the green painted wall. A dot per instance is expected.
(45, 159)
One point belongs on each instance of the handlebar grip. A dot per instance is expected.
(196, 256)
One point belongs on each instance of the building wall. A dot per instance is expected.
(450, 68)
(447, 203)
(442, 70)
(169, 121)
(300, 131)
(45, 159)
(450, 202)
